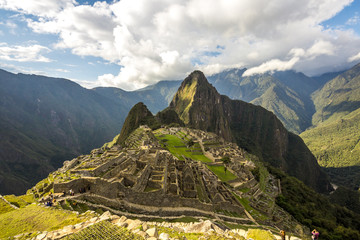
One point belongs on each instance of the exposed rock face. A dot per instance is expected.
(138, 115)
(252, 127)
(200, 106)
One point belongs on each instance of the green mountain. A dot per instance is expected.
(45, 121)
(335, 137)
(252, 127)
(338, 97)
(336, 143)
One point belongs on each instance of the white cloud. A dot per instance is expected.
(62, 70)
(317, 49)
(32, 53)
(19, 69)
(37, 7)
(356, 57)
(272, 65)
(165, 39)
(354, 20)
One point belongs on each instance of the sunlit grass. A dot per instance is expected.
(178, 148)
(34, 218)
(220, 172)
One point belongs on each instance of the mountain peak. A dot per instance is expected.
(191, 87)
(198, 76)
(200, 106)
(138, 115)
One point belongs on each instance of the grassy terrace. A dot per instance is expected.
(246, 204)
(20, 201)
(178, 148)
(33, 218)
(219, 170)
(5, 207)
(104, 230)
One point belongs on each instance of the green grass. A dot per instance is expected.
(103, 230)
(5, 207)
(112, 143)
(258, 234)
(244, 190)
(172, 141)
(33, 218)
(336, 144)
(20, 201)
(253, 212)
(219, 171)
(191, 236)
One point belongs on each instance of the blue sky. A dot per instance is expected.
(133, 43)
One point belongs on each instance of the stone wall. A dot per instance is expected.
(108, 164)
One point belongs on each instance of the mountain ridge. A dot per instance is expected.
(45, 121)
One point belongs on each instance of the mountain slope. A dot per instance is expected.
(45, 121)
(287, 94)
(156, 96)
(336, 144)
(251, 127)
(138, 115)
(335, 139)
(338, 97)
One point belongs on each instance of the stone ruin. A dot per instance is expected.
(145, 180)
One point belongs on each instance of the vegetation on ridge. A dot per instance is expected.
(336, 144)
(316, 211)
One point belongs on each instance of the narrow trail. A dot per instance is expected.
(11, 205)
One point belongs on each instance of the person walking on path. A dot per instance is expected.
(282, 234)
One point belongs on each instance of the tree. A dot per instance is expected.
(190, 143)
(226, 160)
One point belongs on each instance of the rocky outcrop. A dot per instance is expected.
(138, 115)
(252, 127)
(148, 230)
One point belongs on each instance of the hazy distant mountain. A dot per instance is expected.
(156, 97)
(44, 121)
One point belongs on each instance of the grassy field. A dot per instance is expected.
(5, 207)
(246, 204)
(103, 230)
(33, 218)
(336, 144)
(219, 170)
(258, 234)
(20, 201)
(178, 148)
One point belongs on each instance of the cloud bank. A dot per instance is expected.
(31, 53)
(165, 39)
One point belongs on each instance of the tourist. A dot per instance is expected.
(315, 234)
(282, 234)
